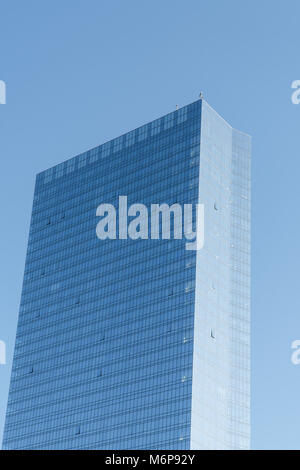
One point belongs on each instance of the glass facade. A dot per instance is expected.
(221, 362)
(137, 344)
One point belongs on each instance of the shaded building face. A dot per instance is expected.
(135, 342)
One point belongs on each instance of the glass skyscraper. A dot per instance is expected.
(138, 344)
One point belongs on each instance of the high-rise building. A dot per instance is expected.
(138, 343)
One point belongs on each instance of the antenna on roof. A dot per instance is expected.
(201, 95)
(176, 107)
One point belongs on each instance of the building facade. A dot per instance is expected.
(138, 343)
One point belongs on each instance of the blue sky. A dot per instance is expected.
(81, 72)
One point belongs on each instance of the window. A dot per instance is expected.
(118, 144)
(59, 170)
(155, 127)
(129, 139)
(190, 262)
(182, 115)
(54, 287)
(193, 183)
(142, 133)
(82, 160)
(77, 430)
(169, 121)
(189, 286)
(212, 334)
(48, 175)
(170, 291)
(93, 155)
(106, 149)
(70, 165)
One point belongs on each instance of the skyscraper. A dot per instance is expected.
(138, 343)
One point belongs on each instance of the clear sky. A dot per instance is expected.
(81, 72)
